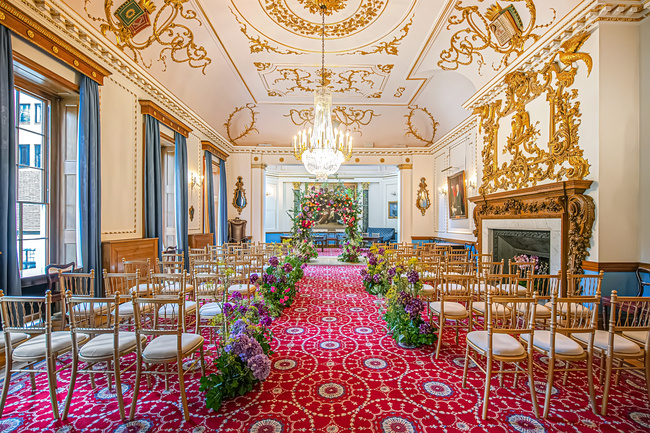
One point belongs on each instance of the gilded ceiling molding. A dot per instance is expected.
(367, 81)
(413, 131)
(498, 29)
(399, 92)
(366, 14)
(165, 27)
(259, 45)
(284, 151)
(22, 25)
(529, 164)
(352, 118)
(331, 6)
(248, 128)
(390, 47)
(463, 129)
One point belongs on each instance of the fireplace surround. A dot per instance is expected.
(570, 213)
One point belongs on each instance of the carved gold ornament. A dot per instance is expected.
(422, 200)
(248, 128)
(367, 12)
(413, 131)
(390, 47)
(498, 29)
(259, 45)
(353, 119)
(399, 92)
(285, 80)
(164, 27)
(529, 164)
(331, 6)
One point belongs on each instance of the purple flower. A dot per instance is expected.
(244, 346)
(391, 272)
(260, 365)
(364, 272)
(235, 296)
(425, 328)
(381, 251)
(227, 308)
(287, 267)
(273, 261)
(412, 276)
(367, 278)
(238, 327)
(372, 260)
(266, 321)
(303, 266)
(254, 278)
(377, 278)
(269, 279)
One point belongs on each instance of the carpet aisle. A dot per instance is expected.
(336, 370)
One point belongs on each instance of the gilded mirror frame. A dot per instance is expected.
(239, 189)
(423, 193)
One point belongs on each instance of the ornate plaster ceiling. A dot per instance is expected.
(382, 60)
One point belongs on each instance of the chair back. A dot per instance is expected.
(236, 230)
(578, 314)
(121, 283)
(521, 268)
(53, 269)
(27, 314)
(643, 278)
(130, 266)
(459, 267)
(583, 285)
(168, 285)
(208, 287)
(458, 255)
(517, 317)
(485, 267)
(171, 263)
(630, 314)
(145, 308)
(204, 267)
(457, 288)
(94, 315)
(77, 284)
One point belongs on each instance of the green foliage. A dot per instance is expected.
(235, 379)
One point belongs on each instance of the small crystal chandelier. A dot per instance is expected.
(322, 149)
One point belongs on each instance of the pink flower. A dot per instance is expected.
(287, 289)
(273, 289)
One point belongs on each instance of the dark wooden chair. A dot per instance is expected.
(237, 230)
(52, 278)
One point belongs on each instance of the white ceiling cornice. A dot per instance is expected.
(66, 23)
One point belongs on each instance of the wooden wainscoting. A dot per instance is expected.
(129, 249)
(200, 240)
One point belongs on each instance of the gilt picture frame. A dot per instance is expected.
(457, 194)
(392, 210)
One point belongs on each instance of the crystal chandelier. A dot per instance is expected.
(322, 149)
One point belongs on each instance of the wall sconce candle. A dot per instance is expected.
(443, 190)
(195, 181)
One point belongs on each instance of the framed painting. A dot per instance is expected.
(392, 210)
(457, 196)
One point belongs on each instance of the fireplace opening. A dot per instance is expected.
(506, 244)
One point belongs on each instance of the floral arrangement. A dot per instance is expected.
(351, 251)
(378, 275)
(541, 266)
(278, 283)
(304, 249)
(243, 357)
(404, 308)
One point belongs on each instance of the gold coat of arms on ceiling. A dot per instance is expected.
(166, 26)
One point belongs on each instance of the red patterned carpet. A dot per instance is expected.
(336, 370)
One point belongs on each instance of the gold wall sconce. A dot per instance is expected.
(422, 200)
(194, 181)
(443, 190)
(239, 196)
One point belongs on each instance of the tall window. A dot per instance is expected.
(32, 207)
(169, 196)
(46, 196)
(215, 198)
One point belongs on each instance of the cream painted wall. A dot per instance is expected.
(239, 164)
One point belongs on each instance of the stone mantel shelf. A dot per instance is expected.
(564, 200)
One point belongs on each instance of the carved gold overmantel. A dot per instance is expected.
(564, 200)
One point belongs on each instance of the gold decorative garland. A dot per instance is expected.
(353, 119)
(466, 44)
(350, 80)
(259, 45)
(413, 131)
(529, 163)
(390, 47)
(247, 128)
(176, 38)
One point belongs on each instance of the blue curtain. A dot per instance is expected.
(9, 270)
(153, 227)
(223, 202)
(209, 192)
(180, 189)
(89, 180)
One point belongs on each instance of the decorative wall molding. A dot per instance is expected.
(611, 266)
(281, 151)
(24, 26)
(564, 200)
(207, 145)
(58, 17)
(161, 115)
(461, 129)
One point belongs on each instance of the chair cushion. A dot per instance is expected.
(210, 310)
(102, 346)
(427, 290)
(174, 288)
(34, 348)
(452, 289)
(243, 289)
(601, 341)
(141, 288)
(84, 308)
(575, 308)
(16, 337)
(484, 288)
(451, 308)
(496, 308)
(126, 308)
(563, 344)
(164, 347)
(639, 337)
(502, 344)
(171, 309)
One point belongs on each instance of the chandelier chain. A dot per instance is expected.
(322, 71)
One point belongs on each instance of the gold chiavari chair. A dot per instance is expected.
(479, 257)
(124, 284)
(627, 340)
(458, 255)
(173, 263)
(558, 346)
(491, 284)
(517, 268)
(454, 304)
(82, 285)
(108, 343)
(205, 267)
(169, 344)
(485, 267)
(209, 297)
(168, 286)
(459, 268)
(145, 269)
(499, 343)
(240, 282)
(543, 286)
(28, 320)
